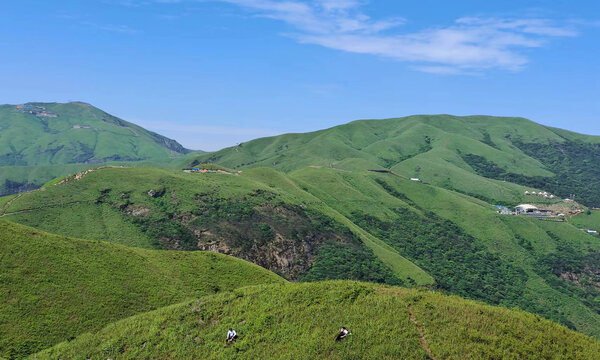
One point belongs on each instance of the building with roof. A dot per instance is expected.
(526, 208)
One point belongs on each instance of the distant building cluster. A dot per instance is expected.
(35, 110)
(209, 171)
(544, 194)
(531, 211)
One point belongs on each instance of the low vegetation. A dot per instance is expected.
(54, 288)
(41, 141)
(279, 227)
(300, 321)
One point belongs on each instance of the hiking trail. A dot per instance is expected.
(421, 334)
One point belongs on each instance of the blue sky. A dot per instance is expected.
(214, 73)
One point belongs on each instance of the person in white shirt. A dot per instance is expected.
(342, 334)
(231, 335)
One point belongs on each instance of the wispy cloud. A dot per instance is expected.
(123, 29)
(467, 45)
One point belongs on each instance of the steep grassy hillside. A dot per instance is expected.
(39, 141)
(543, 267)
(453, 152)
(260, 216)
(300, 321)
(315, 224)
(587, 220)
(53, 288)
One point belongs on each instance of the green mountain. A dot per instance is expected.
(54, 288)
(40, 141)
(320, 223)
(300, 321)
(339, 204)
(482, 156)
(260, 216)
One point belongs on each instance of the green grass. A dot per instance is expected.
(433, 148)
(35, 149)
(300, 321)
(100, 207)
(516, 242)
(587, 221)
(54, 287)
(404, 225)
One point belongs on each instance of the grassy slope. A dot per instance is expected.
(585, 221)
(299, 321)
(357, 192)
(429, 147)
(70, 209)
(36, 149)
(54, 287)
(73, 209)
(80, 132)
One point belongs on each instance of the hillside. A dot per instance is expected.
(300, 321)
(40, 141)
(543, 267)
(54, 288)
(244, 216)
(494, 158)
(317, 224)
(590, 221)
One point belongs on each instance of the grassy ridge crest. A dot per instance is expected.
(299, 321)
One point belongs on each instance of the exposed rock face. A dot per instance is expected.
(589, 277)
(281, 238)
(139, 211)
(278, 236)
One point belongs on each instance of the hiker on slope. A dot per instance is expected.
(342, 334)
(231, 335)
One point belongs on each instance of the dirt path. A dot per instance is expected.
(14, 213)
(9, 202)
(40, 207)
(421, 334)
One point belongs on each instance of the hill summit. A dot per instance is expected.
(75, 132)
(41, 141)
(482, 156)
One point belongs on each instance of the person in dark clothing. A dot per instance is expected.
(231, 335)
(342, 334)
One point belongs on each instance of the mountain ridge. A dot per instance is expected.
(40, 141)
(436, 149)
(300, 321)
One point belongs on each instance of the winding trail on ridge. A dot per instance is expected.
(421, 334)
(9, 202)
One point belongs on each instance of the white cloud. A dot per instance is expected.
(123, 29)
(467, 45)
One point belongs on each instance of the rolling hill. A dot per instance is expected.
(339, 204)
(41, 141)
(54, 288)
(300, 321)
(260, 216)
(320, 223)
(494, 158)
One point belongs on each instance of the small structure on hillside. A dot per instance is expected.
(415, 179)
(526, 208)
(543, 194)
